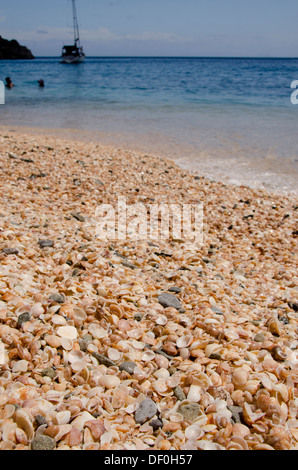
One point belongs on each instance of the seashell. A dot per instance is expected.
(58, 320)
(21, 437)
(240, 430)
(114, 354)
(62, 417)
(97, 331)
(148, 356)
(211, 348)
(9, 411)
(249, 416)
(275, 326)
(161, 320)
(109, 381)
(53, 341)
(66, 343)
(237, 443)
(96, 427)
(20, 366)
(194, 432)
(79, 314)
(79, 421)
(135, 333)
(240, 377)
(194, 394)
(184, 341)
(69, 332)
(173, 381)
(24, 422)
(75, 356)
(8, 431)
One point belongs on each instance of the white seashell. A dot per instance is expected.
(97, 331)
(184, 341)
(194, 432)
(78, 365)
(136, 333)
(80, 314)
(9, 410)
(58, 320)
(148, 356)
(20, 366)
(62, 417)
(211, 348)
(8, 431)
(80, 420)
(24, 422)
(69, 332)
(162, 373)
(67, 344)
(109, 381)
(194, 393)
(160, 386)
(173, 381)
(75, 356)
(114, 354)
(161, 320)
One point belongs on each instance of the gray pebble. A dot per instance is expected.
(190, 411)
(128, 367)
(179, 394)
(169, 300)
(146, 410)
(104, 360)
(43, 443)
(49, 372)
(10, 251)
(260, 338)
(46, 243)
(23, 318)
(78, 216)
(59, 298)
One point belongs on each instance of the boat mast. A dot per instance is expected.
(75, 25)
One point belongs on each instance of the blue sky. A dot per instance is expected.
(254, 28)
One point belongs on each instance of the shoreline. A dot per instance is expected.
(141, 344)
(266, 173)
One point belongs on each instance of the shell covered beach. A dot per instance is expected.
(150, 344)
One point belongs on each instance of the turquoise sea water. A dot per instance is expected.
(227, 118)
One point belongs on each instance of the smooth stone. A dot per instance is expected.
(23, 318)
(179, 394)
(78, 216)
(146, 410)
(46, 243)
(59, 298)
(43, 443)
(175, 289)
(104, 360)
(217, 310)
(128, 367)
(259, 338)
(169, 300)
(190, 411)
(10, 251)
(49, 372)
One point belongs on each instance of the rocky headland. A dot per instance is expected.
(12, 50)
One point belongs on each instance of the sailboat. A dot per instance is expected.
(73, 54)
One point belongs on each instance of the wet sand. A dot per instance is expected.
(94, 354)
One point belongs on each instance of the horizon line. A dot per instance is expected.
(169, 57)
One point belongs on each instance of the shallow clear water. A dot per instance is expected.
(230, 119)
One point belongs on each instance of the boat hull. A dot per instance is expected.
(72, 60)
